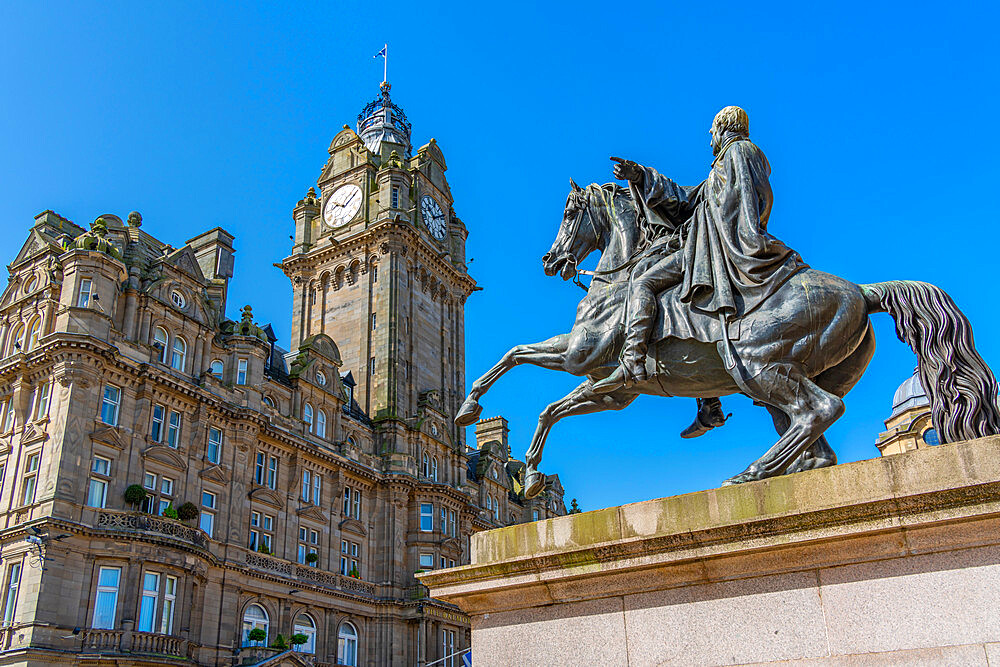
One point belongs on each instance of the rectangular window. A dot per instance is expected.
(174, 429)
(451, 522)
(534, 515)
(272, 473)
(317, 488)
(349, 558)
(169, 597)
(374, 322)
(83, 301)
(427, 561)
(150, 597)
(109, 404)
(254, 541)
(267, 529)
(371, 366)
(106, 602)
(97, 488)
(42, 406)
(357, 504)
(30, 478)
(241, 371)
(448, 648)
(306, 484)
(6, 415)
(347, 501)
(10, 601)
(166, 495)
(214, 444)
(156, 427)
(427, 519)
(444, 562)
(395, 197)
(260, 464)
(444, 520)
(206, 520)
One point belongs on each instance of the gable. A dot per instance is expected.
(266, 496)
(214, 474)
(110, 436)
(185, 261)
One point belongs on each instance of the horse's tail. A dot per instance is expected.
(960, 386)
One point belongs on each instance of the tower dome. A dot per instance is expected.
(382, 122)
(909, 395)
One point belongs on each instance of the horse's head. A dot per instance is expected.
(577, 236)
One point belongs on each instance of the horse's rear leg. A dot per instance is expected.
(810, 412)
(580, 401)
(817, 455)
(548, 354)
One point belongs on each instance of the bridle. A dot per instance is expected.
(574, 262)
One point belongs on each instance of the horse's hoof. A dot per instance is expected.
(469, 413)
(742, 478)
(534, 483)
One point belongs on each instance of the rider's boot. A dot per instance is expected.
(632, 369)
(709, 416)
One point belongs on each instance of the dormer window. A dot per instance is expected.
(178, 299)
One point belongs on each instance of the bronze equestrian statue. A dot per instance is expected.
(693, 297)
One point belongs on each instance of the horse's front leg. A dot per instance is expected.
(580, 401)
(547, 354)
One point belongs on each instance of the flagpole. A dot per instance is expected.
(385, 63)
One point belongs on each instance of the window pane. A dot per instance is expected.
(101, 466)
(206, 522)
(97, 493)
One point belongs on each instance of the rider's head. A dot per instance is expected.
(731, 120)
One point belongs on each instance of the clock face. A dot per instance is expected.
(433, 217)
(342, 205)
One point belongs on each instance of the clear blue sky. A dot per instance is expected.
(878, 119)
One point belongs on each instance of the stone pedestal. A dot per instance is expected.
(893, 560)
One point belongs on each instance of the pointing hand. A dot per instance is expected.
(628, 170)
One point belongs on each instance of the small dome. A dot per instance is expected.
(909, 395)
(382, 122)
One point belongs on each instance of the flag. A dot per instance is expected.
(382, 52)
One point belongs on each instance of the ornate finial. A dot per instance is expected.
(346, 126)
(247, 314)
(311, 193)
(134, 219)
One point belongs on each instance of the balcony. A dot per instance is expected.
(127, 642)
(310, 575)
(148, 524)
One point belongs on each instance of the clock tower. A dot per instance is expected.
(378, 264)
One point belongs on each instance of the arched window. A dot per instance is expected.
(434, 469)
(307, 417)
(178, 354)
(347, 645)
(255, 617)
(321, 424)
(17, 340)
(496, 509)
(268, 401)
(489, 502)
(160, 343)
(425, 467)
(216, 368)
(304, 625)
(31, 340)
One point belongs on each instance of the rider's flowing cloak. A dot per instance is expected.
(731, 263)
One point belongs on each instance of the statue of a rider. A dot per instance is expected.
(709, 242)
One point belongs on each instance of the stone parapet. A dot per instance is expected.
(895, 559)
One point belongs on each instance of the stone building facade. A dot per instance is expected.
(909, 424)
(179, 489)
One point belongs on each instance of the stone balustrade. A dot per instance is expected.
(140, 522)
(122, 641)
(311, 575)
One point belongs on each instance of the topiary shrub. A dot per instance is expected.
(298, 639)
(170, 512)
(311, 558)
(135, 495)
(187, 512)
(279, 642)
(257, 635)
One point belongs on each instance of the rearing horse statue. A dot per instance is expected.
(798, 354)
